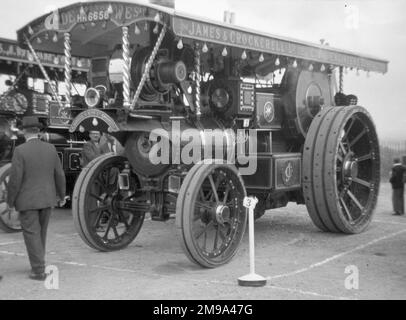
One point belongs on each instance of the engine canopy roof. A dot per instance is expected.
(11, 52)
(95, 28)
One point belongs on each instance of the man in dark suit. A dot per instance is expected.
(91, 149)
(398, 186)
(36, 182)
(111, 146)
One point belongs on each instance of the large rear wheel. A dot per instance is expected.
(9, 219)
(341, 170)
(107, 218)
(211, 218)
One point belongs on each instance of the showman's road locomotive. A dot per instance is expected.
(29, 93)
(209, 113)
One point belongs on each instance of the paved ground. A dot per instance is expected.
(300, 262)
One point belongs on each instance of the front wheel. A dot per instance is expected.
(211, 218)
(9, 219)
(106, 218)
(341, 170)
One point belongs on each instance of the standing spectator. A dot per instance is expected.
(36, 181)
(398, 186)
(111, 146)
(92, 149)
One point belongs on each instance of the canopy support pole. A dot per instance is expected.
(44, 72)
(68, 69)
(126, 68)
(198, 81)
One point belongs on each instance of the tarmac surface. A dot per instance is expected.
(299, 261)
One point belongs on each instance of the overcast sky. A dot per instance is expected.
(380, 31)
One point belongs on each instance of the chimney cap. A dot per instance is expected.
(164, 3)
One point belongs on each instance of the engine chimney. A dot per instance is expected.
(165, 3)
(229, 17)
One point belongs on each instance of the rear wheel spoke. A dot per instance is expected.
(362, 182)
(355, 200)
(357, 138)
(365, 158)
(346, 210)
(347, 132)
(343, 149)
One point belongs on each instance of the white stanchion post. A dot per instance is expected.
(252, 279)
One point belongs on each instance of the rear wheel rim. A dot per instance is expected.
(341, 170)
(357, 174)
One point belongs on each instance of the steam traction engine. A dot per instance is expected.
(273, 104)
(23, 99)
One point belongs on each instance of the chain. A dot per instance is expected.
(341, 79)
(148, 67)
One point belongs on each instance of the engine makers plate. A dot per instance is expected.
(288, 172)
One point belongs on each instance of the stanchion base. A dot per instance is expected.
(252, 280)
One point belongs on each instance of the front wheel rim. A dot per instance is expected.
(214, 219)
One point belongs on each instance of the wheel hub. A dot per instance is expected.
(350, 167)
(223, 214)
